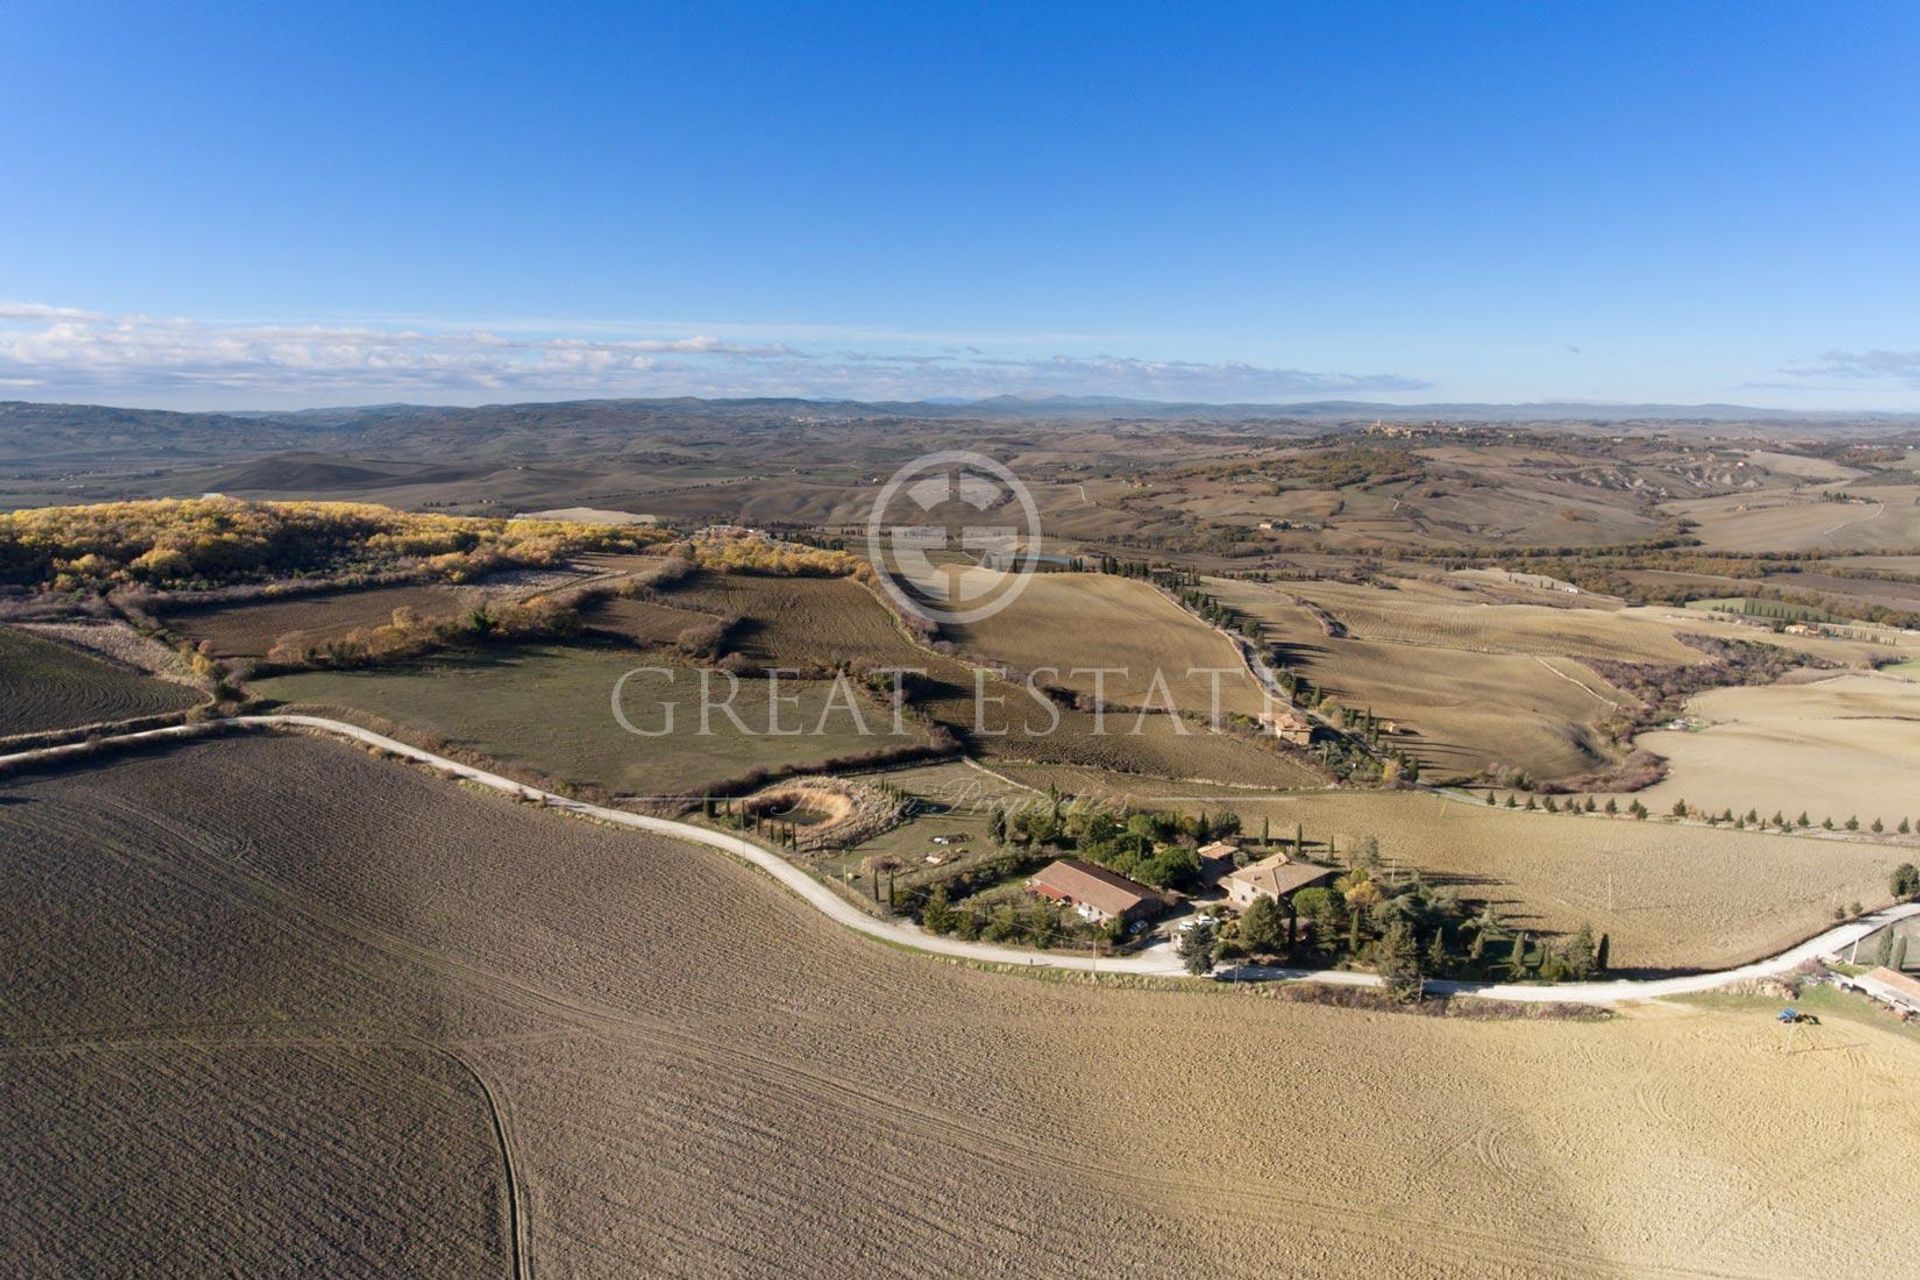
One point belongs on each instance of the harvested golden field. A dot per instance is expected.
(801, 622)
(1160, 748)
(1477, 620)
(1006, 722)
(248, 629)
(550, 709)
(1835, 747)
(1885, 643)
(1883, 564)
(1672, 896)
(1086, 620)
(645, 623)
(1460, 710)
(1774, 521)
(46, 686)
(687, 1076)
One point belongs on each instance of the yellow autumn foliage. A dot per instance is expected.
(177, 542)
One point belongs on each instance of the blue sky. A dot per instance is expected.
(253, 205)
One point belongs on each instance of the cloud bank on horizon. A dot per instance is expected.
(56, 352)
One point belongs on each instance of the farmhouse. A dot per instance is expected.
(1288, 725)
(1277, 877)
(1096, 893)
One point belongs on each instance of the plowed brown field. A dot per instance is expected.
(46, 686)
(695, 1075)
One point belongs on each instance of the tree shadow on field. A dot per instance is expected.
(1467, 879)
(1287, 653)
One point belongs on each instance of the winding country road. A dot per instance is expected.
(1158, 961)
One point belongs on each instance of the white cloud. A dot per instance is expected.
(1901, 366)
(39, 311)
(69, 352)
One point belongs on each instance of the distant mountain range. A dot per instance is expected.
(1060, 406)
(1351, 410)
(37, 437)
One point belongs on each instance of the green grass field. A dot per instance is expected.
(1748, 607)
(550, 708)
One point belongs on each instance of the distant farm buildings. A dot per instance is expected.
(1288, 725)
(1097, 894)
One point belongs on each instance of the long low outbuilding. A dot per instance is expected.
(1096, 893)
(1890, 987)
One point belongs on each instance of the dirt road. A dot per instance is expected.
(1159, 961)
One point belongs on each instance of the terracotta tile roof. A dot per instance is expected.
(1104, 890)
(1280, 875)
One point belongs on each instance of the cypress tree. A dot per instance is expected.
(1399, 962)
